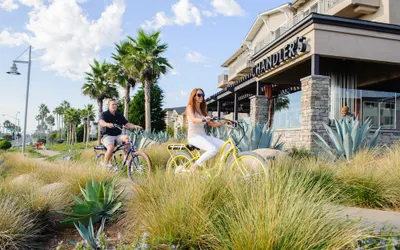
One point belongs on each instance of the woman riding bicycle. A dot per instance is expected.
(196, 112)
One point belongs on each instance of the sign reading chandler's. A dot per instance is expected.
(289, 51)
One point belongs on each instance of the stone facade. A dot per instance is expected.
(289, 136)
(315, 106)
(258, 109)
(388, 137)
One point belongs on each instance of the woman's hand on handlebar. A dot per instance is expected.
(109, 125)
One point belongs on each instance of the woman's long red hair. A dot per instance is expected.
(203, 105)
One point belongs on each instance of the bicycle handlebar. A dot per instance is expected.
(120, 128)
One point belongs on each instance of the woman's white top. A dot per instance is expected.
(196, 128)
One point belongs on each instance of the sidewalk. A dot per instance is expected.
(46, 152)
(371, 217)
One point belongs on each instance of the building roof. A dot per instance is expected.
(259, 21)
(179, 110)
(253, 31)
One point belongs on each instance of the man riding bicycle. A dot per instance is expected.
(111, 135)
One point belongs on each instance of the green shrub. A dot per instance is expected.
(349, 138)
(170, 131)
(4, 145)
(100, 201)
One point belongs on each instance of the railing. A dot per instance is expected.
(222, 78)
(326, 5)
(323, 7)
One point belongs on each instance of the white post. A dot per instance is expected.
(26, 101)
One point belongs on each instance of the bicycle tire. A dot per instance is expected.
(244, 168)
(131, 168)
(174, 157)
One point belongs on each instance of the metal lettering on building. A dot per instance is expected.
(289, 51)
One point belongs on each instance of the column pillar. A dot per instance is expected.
(258, 109)
(315, 105)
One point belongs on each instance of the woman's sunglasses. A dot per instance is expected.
(200, 95)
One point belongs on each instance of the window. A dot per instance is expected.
(287, 111)
(383, 108)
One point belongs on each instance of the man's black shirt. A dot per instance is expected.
(118, 119)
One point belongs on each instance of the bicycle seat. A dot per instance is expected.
(191, 147)
(182, 147)
(100, 147)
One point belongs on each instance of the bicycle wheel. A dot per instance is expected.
(139, 168)
(179, 163)
(248, 164)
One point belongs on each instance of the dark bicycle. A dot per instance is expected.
(138, 163)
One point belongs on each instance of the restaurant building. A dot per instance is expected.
(301, 62)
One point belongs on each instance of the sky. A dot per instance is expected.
(66, 35)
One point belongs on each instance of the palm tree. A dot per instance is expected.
(43, 112)
(145, 57)
(72, 118)
(64, 106)
(125, 76)
(58, 111)
(50, 121)
(98, 86)
(90, 115)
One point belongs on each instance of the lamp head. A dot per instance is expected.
(13, 70)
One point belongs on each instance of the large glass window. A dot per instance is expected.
(287, 111)
(379, 106)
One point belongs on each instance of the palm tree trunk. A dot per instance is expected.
(270, 112)
(100, 103)
(84, 132)
(88, 132)
(147, 88)
(127, 101)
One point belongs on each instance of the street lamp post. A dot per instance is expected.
(14, 71)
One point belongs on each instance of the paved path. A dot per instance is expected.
(48, 152)
(371, 217)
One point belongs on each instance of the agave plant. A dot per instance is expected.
(88, 235)
(348, 138)
(255, 136)
(100, 201)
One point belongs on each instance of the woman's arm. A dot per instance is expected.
(190, 113)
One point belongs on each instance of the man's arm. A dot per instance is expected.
(132, 126)
(102, 123)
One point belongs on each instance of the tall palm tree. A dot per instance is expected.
(64, 106)
(145, 57)
(90, 115)
(43, 112)
(58, 111)
(121, 74)
(50, 122)
(98, 86)
(72, 118)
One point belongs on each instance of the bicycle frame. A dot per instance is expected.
(121, 148)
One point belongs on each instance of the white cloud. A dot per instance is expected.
(12, 39)
(173, 72)
(8, 5)
(208, 13)
(227, 7)
(65, 39)
(184, 13)
(184, 92)
(195, 57)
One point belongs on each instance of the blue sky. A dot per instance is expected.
(67, 34)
